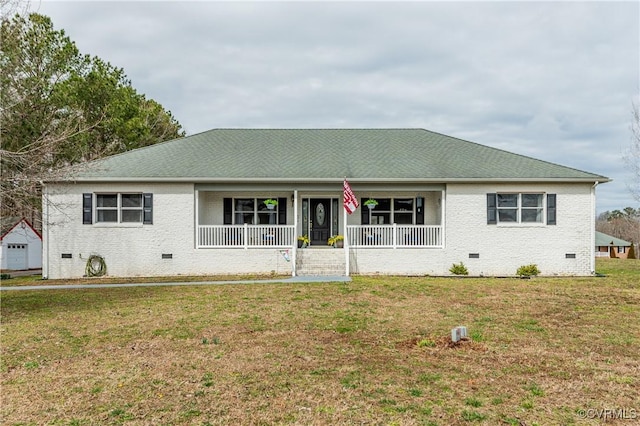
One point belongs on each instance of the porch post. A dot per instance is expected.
(443, 222)
(294, 252)
(196, 218)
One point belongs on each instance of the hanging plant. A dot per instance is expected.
(270, 203)
(371, 203)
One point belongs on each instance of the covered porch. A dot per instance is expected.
(240, 218)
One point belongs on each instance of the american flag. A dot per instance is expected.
(350, 200)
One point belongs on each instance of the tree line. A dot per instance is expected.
(60, 107)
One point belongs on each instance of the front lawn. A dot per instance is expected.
(547, 351)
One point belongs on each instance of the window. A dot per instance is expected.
(532, 209)
(520, 208)
(106, 208)
(124, 208)
(381, 214)
(255, 211)
(131, 207)
(118, 208)
(390, 210)
(523, 208)
(244, 210)
(403, 211)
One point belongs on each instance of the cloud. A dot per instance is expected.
(553, 80)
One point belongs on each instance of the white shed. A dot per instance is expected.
(21, 245)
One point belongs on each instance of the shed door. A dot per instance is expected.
(17, 256)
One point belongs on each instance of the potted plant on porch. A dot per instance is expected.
(371, 203)
(270, 203)
(336, 241)
(303, 241)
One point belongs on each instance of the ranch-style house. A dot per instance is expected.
(236, 201)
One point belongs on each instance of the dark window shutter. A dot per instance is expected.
(282, 211)
(364, 212)
(147, 209)
(420, 211)
(551, 209)
(492, 209)
(227, 207)
(87, 208)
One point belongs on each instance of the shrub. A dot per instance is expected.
(528, 270)
(459, 269)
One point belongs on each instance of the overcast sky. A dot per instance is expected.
(553, 80)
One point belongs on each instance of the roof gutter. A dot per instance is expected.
(602, 179)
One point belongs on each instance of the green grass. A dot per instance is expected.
(374, 351)
(618, 267)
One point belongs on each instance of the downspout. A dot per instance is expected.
(593, 227)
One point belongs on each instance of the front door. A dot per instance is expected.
(320, 221)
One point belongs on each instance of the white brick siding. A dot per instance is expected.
(136, 249)
(502, 248)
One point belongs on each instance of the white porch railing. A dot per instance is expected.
(245, 236)
(373, 236)
(393, 236)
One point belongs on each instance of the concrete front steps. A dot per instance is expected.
(325, 261)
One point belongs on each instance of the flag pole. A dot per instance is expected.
(346, 236)
(349, 204)
(346, 239)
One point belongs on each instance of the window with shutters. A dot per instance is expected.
(118, 208)
(525, 208)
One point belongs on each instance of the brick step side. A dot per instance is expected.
(320, 262)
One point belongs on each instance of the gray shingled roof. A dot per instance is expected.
(324, 154)
(607, 240)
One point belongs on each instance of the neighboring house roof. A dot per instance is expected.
(7, 224)
(607, 240)
(323, 155)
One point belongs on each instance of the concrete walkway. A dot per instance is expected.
(305, 279)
